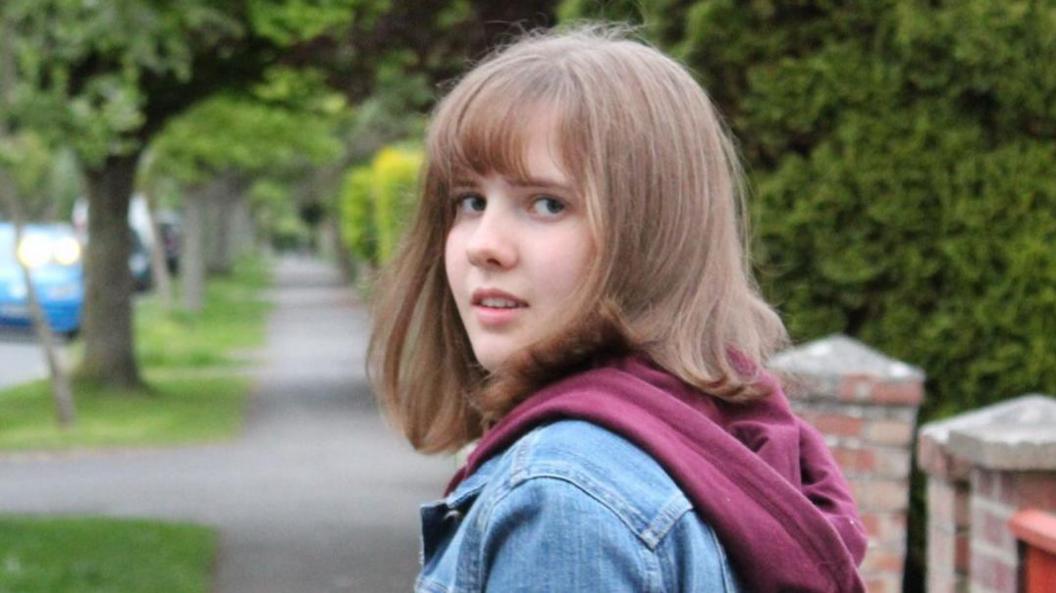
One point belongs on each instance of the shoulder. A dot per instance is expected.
(596, 472)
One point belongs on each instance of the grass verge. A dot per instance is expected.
(96, 555)
(193, 391)
(173, 410)
(231, 322)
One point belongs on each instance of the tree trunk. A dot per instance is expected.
(221, 243)
(159, 263)
(61, 391)
(192, 255)
(109, 355)
(242, 235)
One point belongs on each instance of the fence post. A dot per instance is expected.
(1002, 459)
(865, 404)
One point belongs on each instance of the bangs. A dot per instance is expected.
(485, 127)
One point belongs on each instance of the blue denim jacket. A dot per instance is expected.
(569, 507)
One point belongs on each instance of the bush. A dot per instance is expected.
(395, 180)
(357, 215)
(377, 201)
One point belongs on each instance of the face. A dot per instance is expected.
(516, 252)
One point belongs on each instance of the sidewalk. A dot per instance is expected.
(317, 496)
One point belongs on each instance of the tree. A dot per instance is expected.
(62, 393)
(108, 76)
(281, 129)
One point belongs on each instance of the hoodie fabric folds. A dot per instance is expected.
(759, 475)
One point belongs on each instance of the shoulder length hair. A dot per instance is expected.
(658, 172)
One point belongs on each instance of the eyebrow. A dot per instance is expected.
(527, 182)
(539, 182)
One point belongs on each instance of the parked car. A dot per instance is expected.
(139, 261)
(53, 255)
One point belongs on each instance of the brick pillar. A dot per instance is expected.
(1000, 459)
(949, 519)
(866, 405)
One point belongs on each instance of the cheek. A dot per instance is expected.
(565, 263)
(454, 266)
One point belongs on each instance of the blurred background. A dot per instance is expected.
(158, 158)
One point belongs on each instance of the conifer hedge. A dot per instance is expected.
(902, 156)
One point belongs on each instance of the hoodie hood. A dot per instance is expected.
(761, 477)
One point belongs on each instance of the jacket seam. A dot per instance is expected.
(602, 495)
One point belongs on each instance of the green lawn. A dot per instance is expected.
(174, 410)
(231, 322)
(95, 555)
(193, 391)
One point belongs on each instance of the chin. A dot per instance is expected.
(493, 358)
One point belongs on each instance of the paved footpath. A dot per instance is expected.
(316, 496)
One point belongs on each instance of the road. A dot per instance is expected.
(21, 359)
(316, 496)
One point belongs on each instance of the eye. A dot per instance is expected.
(547, 206)
(469, 203)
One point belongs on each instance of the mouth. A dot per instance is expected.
(495, 308)
(491, 298)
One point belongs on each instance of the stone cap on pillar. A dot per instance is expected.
(843, 369)
(1018, 434)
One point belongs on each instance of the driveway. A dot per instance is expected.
(316, 496)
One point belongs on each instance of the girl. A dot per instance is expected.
(574, 292)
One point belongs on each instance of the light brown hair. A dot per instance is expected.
(661, 181)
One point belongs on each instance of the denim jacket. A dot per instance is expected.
(569, 507)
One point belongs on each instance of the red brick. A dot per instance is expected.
(871, 523)
(881, 561)
(962, 549)
(835, 424)
(995, 574)
(881, 495)
(854, 460)
(1035, 490)
(856, 388)
(909, 393)
(941, 502)
(884, 584)
(885, 528)
(891, 463)
(992, 528)
(889, 432)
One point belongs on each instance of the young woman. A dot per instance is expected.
(575, 293)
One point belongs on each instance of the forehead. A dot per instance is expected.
(535, 160)
(509, 127)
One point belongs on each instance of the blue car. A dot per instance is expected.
(53, 255)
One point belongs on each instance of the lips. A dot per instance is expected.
(493, 298)
(496, 309)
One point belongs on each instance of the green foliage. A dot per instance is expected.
(258, 138)
(99, 555)
(357, 215)
(174, 410)
(901, 152)
(231, 323)
(377, 202)
(395, 172)
(81, 67)
(46, 180)
(289, 21)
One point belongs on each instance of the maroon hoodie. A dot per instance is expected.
(760, 476)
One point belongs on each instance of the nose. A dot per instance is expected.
(492, 242)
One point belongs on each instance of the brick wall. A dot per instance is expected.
(866, 406)
(982, 468)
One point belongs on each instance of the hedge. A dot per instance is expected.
(376, 203)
